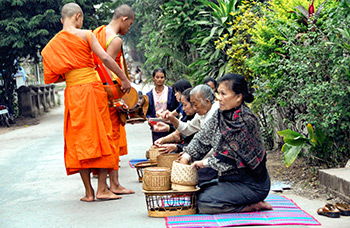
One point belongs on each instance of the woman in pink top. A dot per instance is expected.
(161, 98)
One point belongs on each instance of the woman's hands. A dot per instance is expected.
(197, 165)
(183, 160)
(161, 127)
(167, 115)
(168, 148)
(158, 142)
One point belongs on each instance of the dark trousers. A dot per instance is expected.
(232, 196)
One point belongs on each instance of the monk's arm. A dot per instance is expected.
(113, 50)
(109, 62)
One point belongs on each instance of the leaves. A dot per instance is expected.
(290, 153)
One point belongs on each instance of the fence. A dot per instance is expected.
(35, 99)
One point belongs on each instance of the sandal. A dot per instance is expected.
(329, 210)
(343, 208)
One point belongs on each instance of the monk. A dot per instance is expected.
(87, 126)
(107, 36)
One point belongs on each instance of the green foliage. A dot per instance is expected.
(236, 44)
(212, 62)
(302, 75)
(166, 43)
(295, 142)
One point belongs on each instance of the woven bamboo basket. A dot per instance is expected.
(183, 177)
(153, 153)
(156, 179)
(166, 160)
(171, 203)
(141, 166)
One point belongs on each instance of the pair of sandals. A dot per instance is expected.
(334, 211)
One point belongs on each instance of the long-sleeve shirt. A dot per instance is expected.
(197, 123)
(210, 138)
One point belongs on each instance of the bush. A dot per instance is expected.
(299, 71)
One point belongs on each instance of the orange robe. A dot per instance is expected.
(87, 126)
(118, 128)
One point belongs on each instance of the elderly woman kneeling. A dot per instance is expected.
(234, 178)
(203, 101)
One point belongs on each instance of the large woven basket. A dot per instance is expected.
(183, 177)
(141, 166)
(153, 153)
(156, 179)
(166, 160)
(171, 203)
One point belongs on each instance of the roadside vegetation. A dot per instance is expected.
(295, 55)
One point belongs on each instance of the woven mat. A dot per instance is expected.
(132, 162)
(285, 212)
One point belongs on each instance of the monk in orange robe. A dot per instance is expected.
(87, 126)
(107, 36)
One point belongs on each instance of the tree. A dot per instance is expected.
(25, 28)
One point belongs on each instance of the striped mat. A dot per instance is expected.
(285, 212)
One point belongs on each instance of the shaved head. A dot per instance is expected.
(123, 11)
(70, 9)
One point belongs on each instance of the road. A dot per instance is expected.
(36, 192)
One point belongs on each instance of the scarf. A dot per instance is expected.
(241, 143)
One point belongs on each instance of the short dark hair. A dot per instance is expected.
(181, 85)
(158, 70)
(123, 11)
(238, 85)
(209, 79)
(186, 94)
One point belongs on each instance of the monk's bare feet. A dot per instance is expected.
(260, 206)
(107, 195)
(89, 196)
(121, 190)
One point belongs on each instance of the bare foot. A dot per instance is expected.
(87, 199)
(89, 196)
(120, 190)
(260, 206)
(107, 195)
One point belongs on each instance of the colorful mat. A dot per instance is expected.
(285, 212)
(132, 162)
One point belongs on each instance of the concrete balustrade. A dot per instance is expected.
(35, 99)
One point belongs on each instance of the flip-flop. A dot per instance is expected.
(329, 210)
(343, 208)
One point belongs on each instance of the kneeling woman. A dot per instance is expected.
(234, 178)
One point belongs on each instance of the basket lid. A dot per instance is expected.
(157, 169)
(145, 164)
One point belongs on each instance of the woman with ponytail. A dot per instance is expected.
(234, 178)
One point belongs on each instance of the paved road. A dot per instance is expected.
(36, 192)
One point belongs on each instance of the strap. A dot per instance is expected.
(110, 40)
(124, 64)
(102, 72)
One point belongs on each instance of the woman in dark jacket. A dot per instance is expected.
(161, 98)
(234, 178)
(175, 142)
